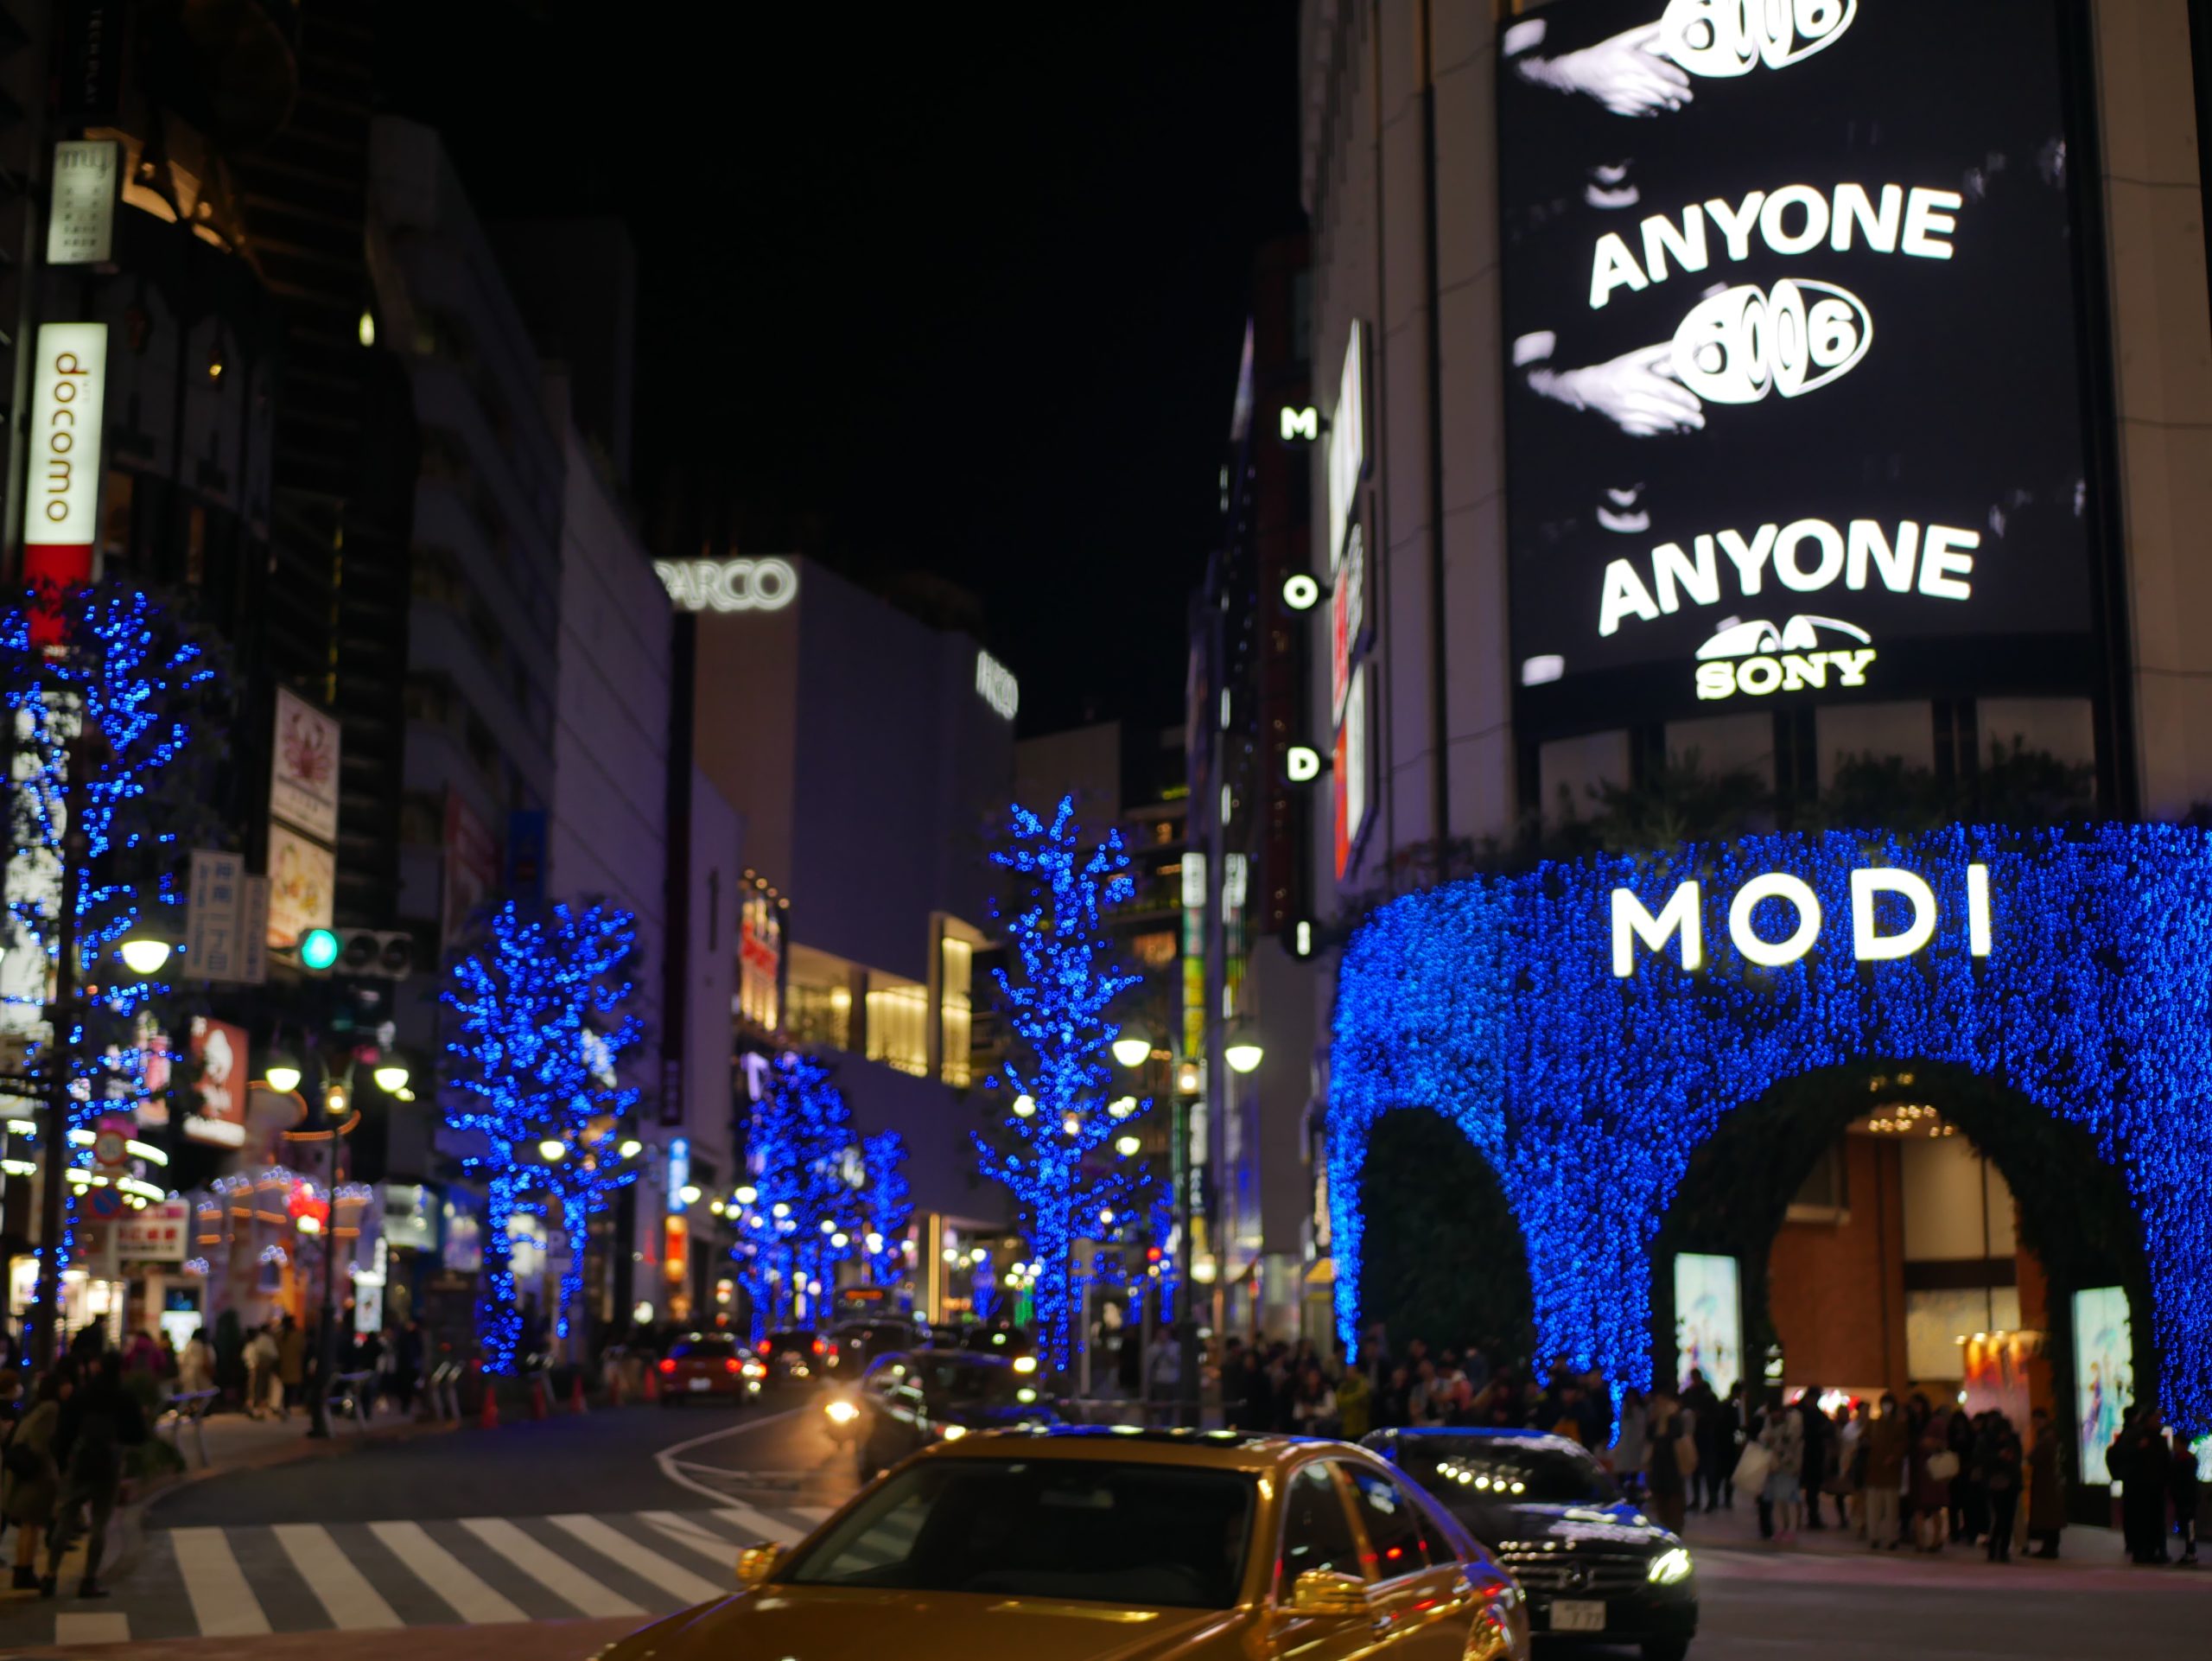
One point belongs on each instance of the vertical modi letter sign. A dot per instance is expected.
(61, 481)
(1679, 923)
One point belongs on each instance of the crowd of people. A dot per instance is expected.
(62, 1465)
(1895, 1475)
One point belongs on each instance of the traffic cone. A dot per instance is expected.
(576, 1404)
(489, 1420)
(652, 1383)
(537, 1395)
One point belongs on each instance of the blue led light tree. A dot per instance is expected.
(537, 1032)
(810, 1211)
(1053, 1148)
(886, 1204)
(105, 692)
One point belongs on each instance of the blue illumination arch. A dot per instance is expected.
(1494, 1002)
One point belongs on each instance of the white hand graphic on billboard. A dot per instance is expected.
(1636, 392)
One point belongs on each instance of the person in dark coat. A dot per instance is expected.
(2182, 1488)
(32, 1480)
(2046, 1485)
(1997, 1475)
(1667, 1484)
(98, 1422)
(1813, 1473)
(2137, 1459)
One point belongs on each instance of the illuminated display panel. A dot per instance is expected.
(1793, 403)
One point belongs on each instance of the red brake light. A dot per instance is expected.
(668, 1366)
(761, 1348)
(821, 1348)
(730, 1365)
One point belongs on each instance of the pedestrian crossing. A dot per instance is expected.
(291, 1577)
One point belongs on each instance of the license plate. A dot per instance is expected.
(1569, 1615)
(703, 1383)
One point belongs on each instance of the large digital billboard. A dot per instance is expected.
(1794, 396)
(2104, 1375)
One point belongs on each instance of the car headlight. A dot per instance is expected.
(953, 1432)
(840, 1411)
(1024, 1364)
(1670, 1567)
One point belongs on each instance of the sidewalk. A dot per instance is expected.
(234, 1443)
(1727, 1546)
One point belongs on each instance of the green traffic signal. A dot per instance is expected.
(318, 949)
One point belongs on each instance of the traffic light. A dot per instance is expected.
(382, 954)
(318, 949)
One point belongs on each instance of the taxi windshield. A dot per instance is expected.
(1086, 1531)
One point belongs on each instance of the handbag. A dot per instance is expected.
(1685, 1455)
(1944, 1466)
(1754, 1469)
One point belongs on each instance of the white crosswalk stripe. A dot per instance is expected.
(463, 1589)
(670, 1578)
(222, 1602)
(553, 1572)
(347, 1598)
(478, 1571)
(757, 1526)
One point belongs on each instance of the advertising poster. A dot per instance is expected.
(2104, 1375)
(1708, 1319)
(217, 1112)
(303, 883)
(303, 773)
(1793, 399)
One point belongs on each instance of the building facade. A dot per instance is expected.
(1684, 480)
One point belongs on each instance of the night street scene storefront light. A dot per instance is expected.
(1243, 1056)
(392, 1077)
(143, 953)
(280, 1073)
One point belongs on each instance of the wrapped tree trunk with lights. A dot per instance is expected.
(816, 1199)
(530, 1069)
(1053, 1147)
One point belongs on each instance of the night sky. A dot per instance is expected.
(937, 290)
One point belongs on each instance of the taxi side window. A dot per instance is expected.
(1316, 1532)
(1397, 1528)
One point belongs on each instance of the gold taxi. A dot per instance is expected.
(1097, 1544)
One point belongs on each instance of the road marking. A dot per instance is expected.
(556, 1573)
(92, 1629)
(758, 1526)
(684, 1531)
(468, 1596)
(347, 1598)
(666, 1459)
(222, 1603)
(672, 1577)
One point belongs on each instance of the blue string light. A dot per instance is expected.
(1494, 1002)
(1054, 1157)
(887, 1204)
(535, 1039)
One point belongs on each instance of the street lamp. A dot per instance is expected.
(552, 1151)
(391, 1075)
(1132, 1049)
(144, 952)
(1243, 1055)
(630, 1149)
(281, 1071)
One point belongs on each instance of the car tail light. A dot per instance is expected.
(668, 1366)
(821, 1348)
(762, 1347)
(730, 1365)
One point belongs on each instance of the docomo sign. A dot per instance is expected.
(61, 487)
(1682, 919)
(729, 584)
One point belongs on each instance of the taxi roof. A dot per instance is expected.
(1233, 1450)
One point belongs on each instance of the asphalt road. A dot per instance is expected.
(647, 1504)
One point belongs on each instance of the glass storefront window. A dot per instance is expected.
(956, 1015)
(897, 1025)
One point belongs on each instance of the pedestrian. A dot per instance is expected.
(1699, 1399)
(1668, 1480)
(2046, 1483)
(195, 1368)
(262, 1388)
(1631, 1449)
(1313, 1404)
(2182, 1488)
(1882, 1448)
(1850, 1464)
(1727, 1445)
(1997, 1475)
(30, 1479)
(1393, 1410)
(1934, 1468)
(1815, 1446)
(2138, 1460)
(1163, 1376)
(1959, 1432)
(98, 1422)
(143, 1354)
(1355, 1404)
(1784, 1438)
(292, 1364)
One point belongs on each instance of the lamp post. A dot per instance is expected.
(60, 1067)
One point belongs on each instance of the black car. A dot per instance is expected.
(794, 1355)
(857, 1343)
(998, 1338)
(907, 1401)
(1595, 1568)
